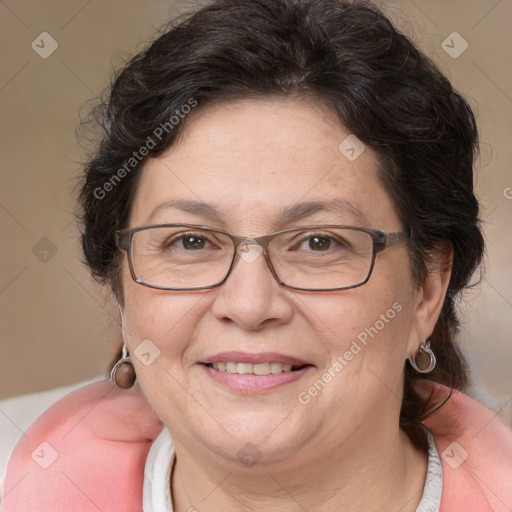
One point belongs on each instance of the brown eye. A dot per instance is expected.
(319, 243)
(187, 241)
(193, 242)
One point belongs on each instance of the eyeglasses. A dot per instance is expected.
(309, 258)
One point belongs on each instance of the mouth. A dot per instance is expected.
(268, 368)
(254, 373)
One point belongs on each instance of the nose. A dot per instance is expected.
(251, 296)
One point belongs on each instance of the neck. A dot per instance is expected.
(385, 473)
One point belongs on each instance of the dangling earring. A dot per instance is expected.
(123, 372)
(424, 349)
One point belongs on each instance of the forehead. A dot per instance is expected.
(253, 164)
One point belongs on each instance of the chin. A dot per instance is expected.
(270, 437)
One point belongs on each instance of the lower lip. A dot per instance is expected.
(250, 383)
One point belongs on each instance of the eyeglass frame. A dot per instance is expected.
(381, 240)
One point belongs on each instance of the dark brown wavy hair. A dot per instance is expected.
(344, 53)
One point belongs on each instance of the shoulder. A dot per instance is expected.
(94, 435)
(476, 453)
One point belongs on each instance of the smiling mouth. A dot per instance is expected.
(267, 368)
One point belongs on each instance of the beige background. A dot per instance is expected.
(57, 326)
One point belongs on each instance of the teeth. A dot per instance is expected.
(261, 369)
(245, 368)
(231, 368)
(250, 368)
(278, 367)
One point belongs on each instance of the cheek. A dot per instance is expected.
(160, 322)
(364, 337)
(158, 329)
(367, 327)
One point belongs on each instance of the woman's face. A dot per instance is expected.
(250, 161)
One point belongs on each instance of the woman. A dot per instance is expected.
(282, 203)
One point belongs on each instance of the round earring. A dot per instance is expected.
(123, 372)
(424, 349)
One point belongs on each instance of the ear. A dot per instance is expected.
(431, 295)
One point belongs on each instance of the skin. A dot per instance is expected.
(343, 450)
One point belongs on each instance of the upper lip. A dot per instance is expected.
(260, 357)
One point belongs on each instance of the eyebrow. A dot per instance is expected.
(189, 206)
(339, 206)
(285, 216)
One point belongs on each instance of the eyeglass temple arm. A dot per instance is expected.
(396, 237)
(122, 240)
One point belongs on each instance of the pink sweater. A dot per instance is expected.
(87, 453)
